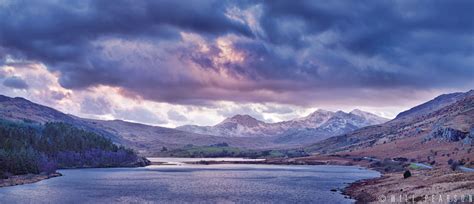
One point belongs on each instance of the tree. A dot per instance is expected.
(33, 148)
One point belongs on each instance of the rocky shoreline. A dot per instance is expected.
(439, 183)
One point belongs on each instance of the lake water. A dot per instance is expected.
(181, 161)
(223, 183)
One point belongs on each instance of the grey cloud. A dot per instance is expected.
(96, 106)
(57, 95)
(176, 116)
(141, 115)
(232, 111)
(278, 109)
(15, 82)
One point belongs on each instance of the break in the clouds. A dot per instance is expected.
(199, 53)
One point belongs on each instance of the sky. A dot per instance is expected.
(171, 63)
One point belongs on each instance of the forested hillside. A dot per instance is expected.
(34, 148)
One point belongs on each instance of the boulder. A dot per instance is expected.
(469, 140)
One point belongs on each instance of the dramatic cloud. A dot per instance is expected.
(370, 54)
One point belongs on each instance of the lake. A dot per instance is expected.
(221, 183)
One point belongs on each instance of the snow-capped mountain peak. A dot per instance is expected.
(320, 122)
(244, 120)
(320, 113)
(314, 119)
(370, 117)
(358, 112)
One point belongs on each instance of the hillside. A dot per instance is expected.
(32, 148)
(146, 139)
(435, 104)
(150, 140)
(441, 132)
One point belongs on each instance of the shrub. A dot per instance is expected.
(406, 174)
(454, 165)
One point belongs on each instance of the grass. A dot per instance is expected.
(228, 151)
(414, 166)
(419, 166)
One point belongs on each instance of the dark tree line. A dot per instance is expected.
(33, 148)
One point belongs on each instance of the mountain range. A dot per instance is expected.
(445, 122)
(318, 125)
(240, 130)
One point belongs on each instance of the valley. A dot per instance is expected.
(433, 141)
(240, 131)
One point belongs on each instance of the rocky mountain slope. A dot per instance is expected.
(438, 130)
(435, 104)
(318, 125)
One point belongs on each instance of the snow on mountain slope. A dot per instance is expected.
(369, 117)
(318, 123)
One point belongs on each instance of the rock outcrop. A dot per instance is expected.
(469, 140)
(448, 134)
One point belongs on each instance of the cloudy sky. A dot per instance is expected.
(171, 63)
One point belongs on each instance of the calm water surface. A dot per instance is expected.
(179, 161)
(226, 183)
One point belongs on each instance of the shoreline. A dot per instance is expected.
(33, 178)
(424, 185)
(424, 182)
(348, 191)
(438, 183)
(26, 179)
(351, 189)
